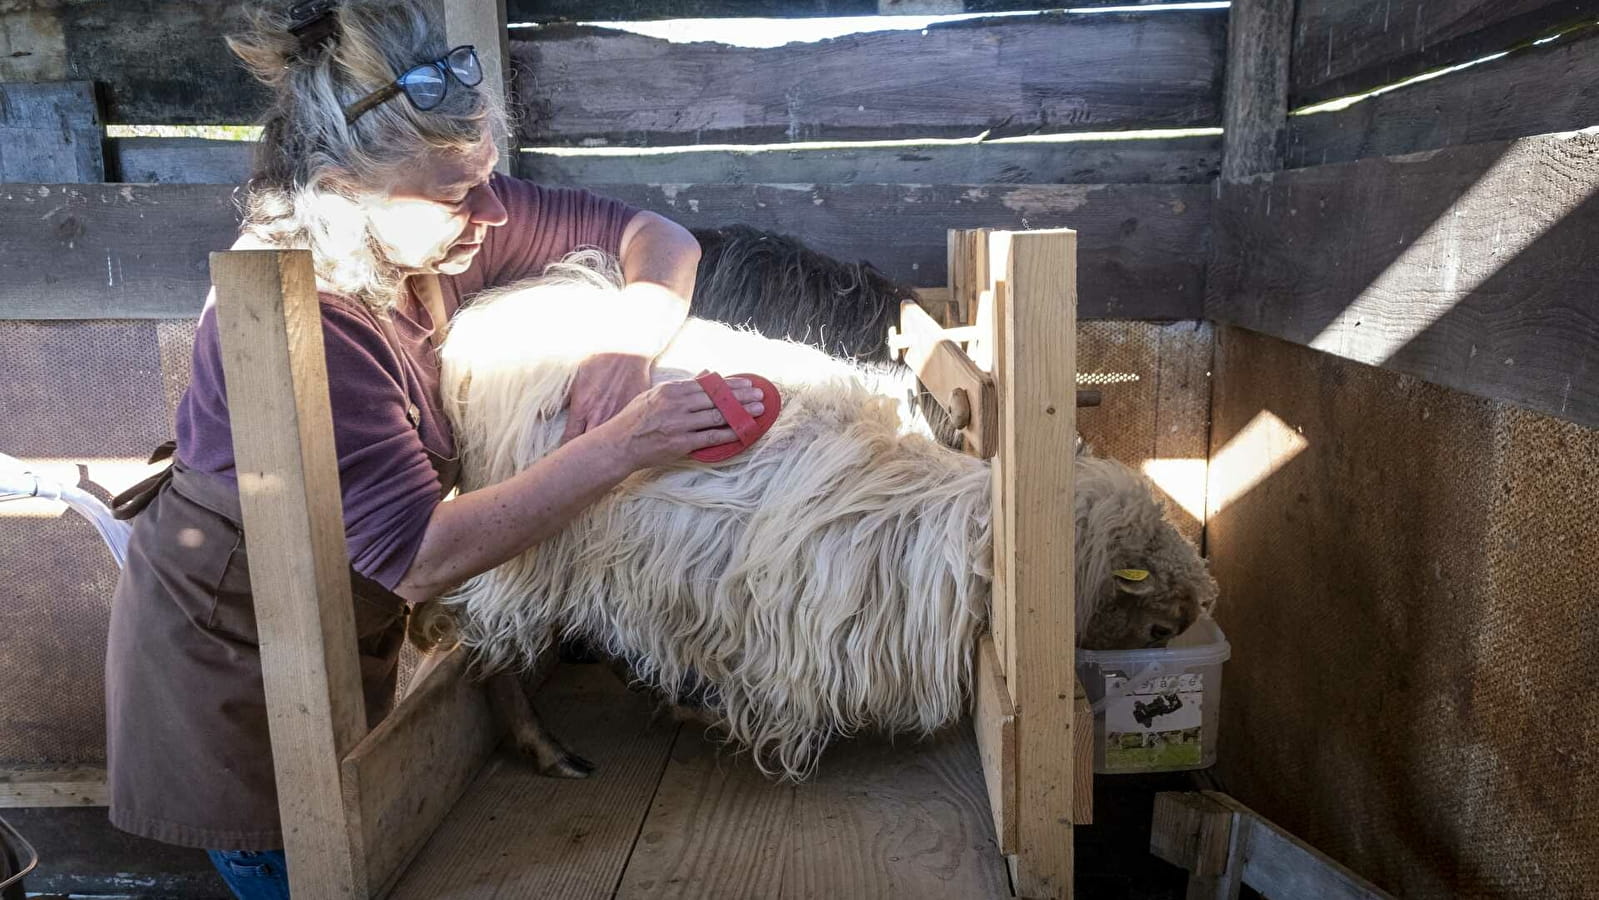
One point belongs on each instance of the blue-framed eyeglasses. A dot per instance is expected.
(425, 85)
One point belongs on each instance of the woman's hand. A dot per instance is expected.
(603, 385)
(675, 418)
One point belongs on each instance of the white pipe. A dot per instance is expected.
(17, 482)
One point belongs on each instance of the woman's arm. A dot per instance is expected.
(481, 529)
(659, 259)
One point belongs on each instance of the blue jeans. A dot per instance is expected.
(253, 874)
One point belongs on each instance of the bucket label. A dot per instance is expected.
(1156, 724)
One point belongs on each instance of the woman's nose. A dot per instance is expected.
(486, 207)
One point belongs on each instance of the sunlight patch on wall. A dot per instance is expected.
(1265, 445)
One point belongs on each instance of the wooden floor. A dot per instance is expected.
(671, 814)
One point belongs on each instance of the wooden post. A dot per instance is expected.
(482, 24)
(270, 328)
(1255, 106)
(1038, 429)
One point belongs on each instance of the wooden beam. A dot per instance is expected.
(405, 776)
(1255, 105)
(641, 10)
(50, 132)
(582, 86)
(1037, 425)
(270, 327)
(1224, 844)
(1503, 99)
(33, 787)
(1082, 756)
(1469, 267)
(482, 24)
(1344, 47)
(149, 160)
(994, 721)
(952, 378)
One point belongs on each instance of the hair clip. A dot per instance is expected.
(313, 22)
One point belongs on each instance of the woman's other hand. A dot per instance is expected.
(675, 418)
(603, 385)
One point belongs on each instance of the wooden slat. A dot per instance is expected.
(994, 723)
(1181, 160)
(993, 304)
(642, 10)
(1194, 832)
(968, 273)
(1082, 756)
(481, 23)
(442, 728)
(50, 132)
(1471, 267)
(1141, 249)
(109, 251)
(1542, 89)
(178, 160)
(270, 328)
(1039, 421)
(1344, 47)
(1052, 73)
(32, 787)
(945, 369)
(1255, 111)
(518, 834)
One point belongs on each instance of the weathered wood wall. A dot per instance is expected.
(1410, 602)
(1474, 267)
(639, 10)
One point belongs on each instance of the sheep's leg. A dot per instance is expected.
(510, 698)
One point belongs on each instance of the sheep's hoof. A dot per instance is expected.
(567, 765)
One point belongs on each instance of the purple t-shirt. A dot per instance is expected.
(389, 487)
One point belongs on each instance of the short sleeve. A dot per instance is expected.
(544, 224)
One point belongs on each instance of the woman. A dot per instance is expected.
(378, 154)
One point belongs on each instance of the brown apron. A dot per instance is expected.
(188, 752)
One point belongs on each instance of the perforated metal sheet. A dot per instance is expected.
(1414, 616)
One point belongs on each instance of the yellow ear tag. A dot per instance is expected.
(1131, 574)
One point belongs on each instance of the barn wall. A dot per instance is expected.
(1412, 606)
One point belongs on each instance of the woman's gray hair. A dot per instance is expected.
(309, 156)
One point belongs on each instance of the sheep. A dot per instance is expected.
(831, 579)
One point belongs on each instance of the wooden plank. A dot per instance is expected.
(32, 787)
(143, 160)
(716, 828)
(968, 273)
(1142, 248)
(1039, 420)
(993, 304)
(952, 378)
(994, 724)
(481, 23)
(516, 833)
(443, 728)
(110, 251)
(1194, 832)
(1536, 90)
(1179, 160)
(1468, 267)
(1051, 73)
(1255, 110)
(894, 819)
(270, 327)
(1344, 47)
(644, 10)
(1082, 757)
(50, 132)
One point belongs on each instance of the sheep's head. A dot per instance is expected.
(1140, 582)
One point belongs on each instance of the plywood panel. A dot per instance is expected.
(1052, 73)
(1409, 601)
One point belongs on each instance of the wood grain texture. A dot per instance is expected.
(1536, 90)
(1188, 160)
(34, 787)
(1052, 73)
(1255, 104)
(270, 328)
(1141, 249)
(1039, 418)
(50, 132)
(482, 24)
(641, 10)
(994, 726)
(518, 834)
(110, 251)
(443, 728)
(1471, 267)
(1344, 47)
(178, 160)
(944, 368)
(1277, 864)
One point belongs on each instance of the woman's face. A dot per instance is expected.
(433, 218)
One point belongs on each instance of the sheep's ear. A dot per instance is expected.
(1133, 581)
